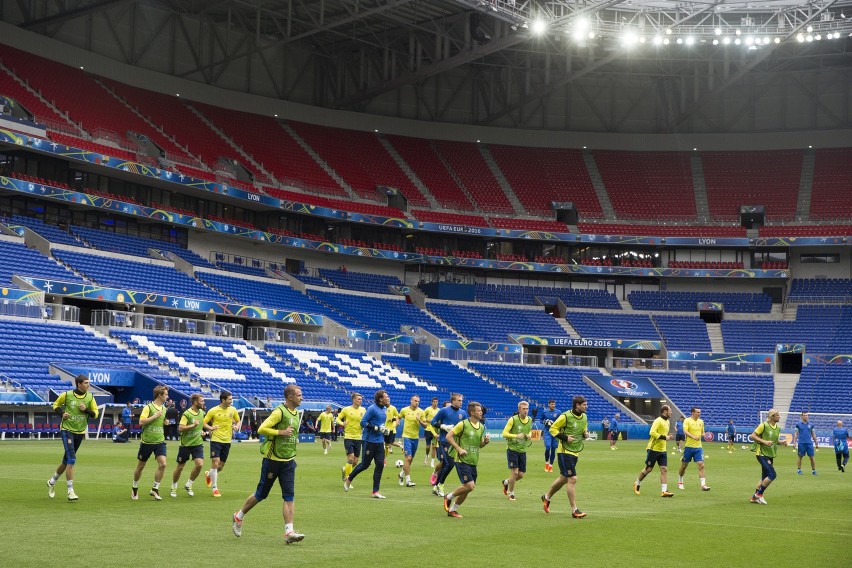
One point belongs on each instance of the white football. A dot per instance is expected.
(398, 463)
(744, 447)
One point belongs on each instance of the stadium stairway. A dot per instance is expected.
(249, 159)
(702, 208)
(502, 181)
(785, 386)
(406, 169)
(318, 159)
(806, 184)
(598, 184)
(714, 331)
(569, 329)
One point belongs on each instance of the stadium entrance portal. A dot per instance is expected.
(790, 362)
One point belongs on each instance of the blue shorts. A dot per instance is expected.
(409, 446)
(390, 438)
(767, 469)
(517, 460)
(145, 450)
(654, 458)
(690, 454)
(220, 450)
(71, 443)
(806, 449)
(284, 472)
(324, 435)
(185, 453)
(567, 465)
(549, 441)
(352, 447)
(467, 472)
(680, 437)
(430, 438)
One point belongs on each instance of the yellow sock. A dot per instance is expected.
(348, 469)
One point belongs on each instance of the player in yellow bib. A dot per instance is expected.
(190, 430)
(281, 430)
(76, 407)
(390, 426)
(323, 426)
(412, 416)
(431, 436)
(766, 438)
(693, 429)
(153, 442)
(517, 434)
(656, 451)
(350, 418)
(224, 419)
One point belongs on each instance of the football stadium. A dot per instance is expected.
(564, 280)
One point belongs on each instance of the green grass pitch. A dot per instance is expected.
(808, 521)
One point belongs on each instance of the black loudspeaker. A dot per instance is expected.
(752, 216)
(421, 352)
(566, 212)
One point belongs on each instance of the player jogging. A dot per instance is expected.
(429, 433)
(693, 429)
(766, 441)
(841, 446)
(153, 442)
(465, 438)
(806, 436)
(190, 429)
(76, 407)
(373, 426)
(656, 452)
(350, 418)
(680, 437)
(444, 421)
(281, 429)
(517, 435)
(224, 419)
(323, 426)
(412, 416)
(548, 417)
(571, 429)
(390, 427)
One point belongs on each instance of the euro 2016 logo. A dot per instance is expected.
(622, 384)
(708, 436)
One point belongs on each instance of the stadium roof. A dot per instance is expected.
(514, 63)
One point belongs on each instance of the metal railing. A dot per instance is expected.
(133, 320)
(56, 312)
(326, 341)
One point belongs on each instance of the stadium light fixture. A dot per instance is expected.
(679, 40)
(810, 29)
(777, 40)
(715, 42)
(690, 40)
(818, 37)
(658, 40)
(737, 41)
(539, 27)
(666, 41)
(718, 31)
(726, 40)
(800, 38)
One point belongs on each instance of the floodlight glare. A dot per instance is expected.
(690, 40)
(591, 35)
(800, 38)
(726, 40)
(738, 32)
(818, 37)
(581, 25)
(737, 41)
(658, 40)
(666, 41)
(810, 29)
(749, 40)
(777, 40)
(539, 27)
(718, 31)
(809, 38)
(715, 42)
